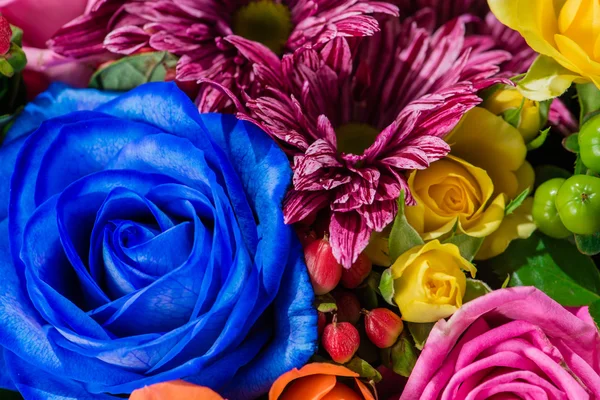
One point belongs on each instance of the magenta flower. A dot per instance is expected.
(511, 343)
(356, 116)
(217, 40)
(498, 35)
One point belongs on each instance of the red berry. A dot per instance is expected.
(321, 322)
(348, 306)
(383, 327)
(341, 340)
(5, 35)
(324, 271)
(357, 273)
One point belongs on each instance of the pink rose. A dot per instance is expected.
(40, 19)
(513, 343)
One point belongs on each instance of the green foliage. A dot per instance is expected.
(468, 245)
(589, 101)
(571, 143)
(386, 287)
(588, 244)
(132, 71)
(554, 266)
(403, 236)
(516, 202)
(419, 332)
(475, 289)
(539, 140)
(364, 369)
(402, 356)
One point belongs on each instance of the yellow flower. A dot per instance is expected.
(518, 225)
(567, 35)
(429, 282)
(494, 145)
(508, 99)
(452, 192)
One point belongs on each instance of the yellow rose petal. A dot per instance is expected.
(518, 225)
(525, 176)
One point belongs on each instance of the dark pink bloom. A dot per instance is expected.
(498, 36)
(209, 34)
(358, 114)
(511, 343)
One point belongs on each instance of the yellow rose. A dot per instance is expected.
(453, 193)
(508, 99)
(494, 145)
(518, 225)
(567, 35)
(429, 282)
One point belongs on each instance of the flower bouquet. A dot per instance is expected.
(299, 199)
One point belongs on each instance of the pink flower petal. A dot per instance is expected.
(349, 236)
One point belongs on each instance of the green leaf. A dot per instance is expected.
(17, 58)
(589, 101)
(326, 303)
(475, 289)
(539, 140)
(544, 173)
(6, 68)
(368, 291)
(420, 332)
(580, 168)
(364, 369)
(403, 236)
(17, 35)
(468, 245)
(386, 286)
(588, 244)
(506, 282)
(513, 116)
(516, 202)
(595, 312)
(554, 266)
(544, 111)
(402, 356)
(546, 79)
(132, 71)
(571, 143)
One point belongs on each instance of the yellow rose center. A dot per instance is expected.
(438, 280)
(266, 22)
(454, 191)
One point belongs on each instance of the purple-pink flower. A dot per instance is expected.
(511, 343)
(357, 114)
(218, 40)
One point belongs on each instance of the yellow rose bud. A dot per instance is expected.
(429, 282)
(508, 99)
(565, 32)
(452, 192)
(488, 142)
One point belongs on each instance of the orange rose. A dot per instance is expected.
(174, 390)
(318, 381)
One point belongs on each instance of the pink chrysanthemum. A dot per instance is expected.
(217, 39)
(499, 36)
(358, 114)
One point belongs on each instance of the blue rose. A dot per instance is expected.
(143, 242)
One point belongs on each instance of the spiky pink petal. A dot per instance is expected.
(200, 32)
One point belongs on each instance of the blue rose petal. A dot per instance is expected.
(147, 244)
